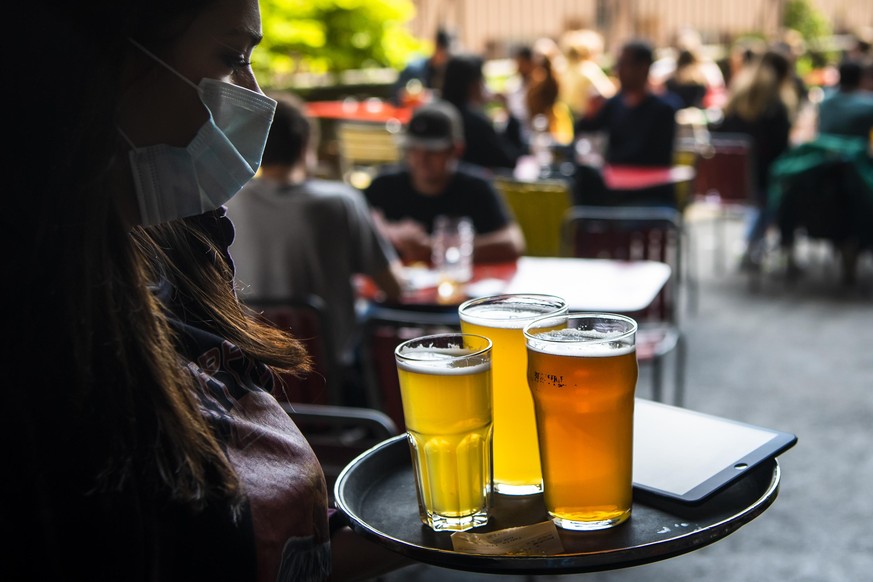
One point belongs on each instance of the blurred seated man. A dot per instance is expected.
(847, 111)
(297, 236)
(426, 72)
(640, 126)
(517, 86)
(486, 145)
(433, 182)
(689, 41)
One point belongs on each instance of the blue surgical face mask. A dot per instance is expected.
(173, 182)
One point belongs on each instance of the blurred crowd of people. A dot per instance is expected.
(636, 102)
(463, 133)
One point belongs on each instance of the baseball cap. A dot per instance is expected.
(434, 126)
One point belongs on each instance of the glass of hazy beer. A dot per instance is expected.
(501, 318)
(445, 386)
(582, 372)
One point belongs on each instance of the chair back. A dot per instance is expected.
(384, 329)
(364, 147)
(685, 190)
(629, 233)
(725, 170)
(309, 321)
(634, 233)
(538, 208)
(338, 434)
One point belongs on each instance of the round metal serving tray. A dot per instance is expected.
(377, 492)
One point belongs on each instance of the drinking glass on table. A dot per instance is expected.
(445, 386)
(452, 254)
(582, 372)
(501, 319)
(591, 148)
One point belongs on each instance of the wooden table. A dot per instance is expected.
(586, 284)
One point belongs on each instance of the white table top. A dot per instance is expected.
(586, 284)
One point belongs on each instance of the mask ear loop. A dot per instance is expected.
(125, 137)
(162, 62)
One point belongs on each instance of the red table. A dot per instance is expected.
(617, 177)
(352, 110)
(642, 177)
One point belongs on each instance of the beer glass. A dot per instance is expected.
(445, 386)
(582, 372)
(501, 319)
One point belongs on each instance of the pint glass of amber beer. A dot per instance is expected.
(501, 319)
(445, 386)
(582, 372)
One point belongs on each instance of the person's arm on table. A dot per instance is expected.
(407, 236)
(390, 281)
(505, 244)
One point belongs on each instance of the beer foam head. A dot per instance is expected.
(510, 311)
(587, 340)
(449, 353)
(588, 348)
(445, 361)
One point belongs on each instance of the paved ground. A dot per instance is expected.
(795, 356)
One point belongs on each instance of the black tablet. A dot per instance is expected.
(686, 456)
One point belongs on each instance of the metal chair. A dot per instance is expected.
(365, 147)
(384, 329)
(724, 183)
(634, 233)
(338, 434)
(538, 208)
(310, 322)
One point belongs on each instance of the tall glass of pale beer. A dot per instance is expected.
(445, 386)
(582, 372)
(501, 319)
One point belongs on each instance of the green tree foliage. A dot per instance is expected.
(331, 36)
(814, 27)
(802, 16)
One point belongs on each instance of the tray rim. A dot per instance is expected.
(577, 562)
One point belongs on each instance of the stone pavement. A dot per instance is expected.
(797, 356)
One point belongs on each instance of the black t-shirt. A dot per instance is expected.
(467, 194)
(485, 146)
(638, 136)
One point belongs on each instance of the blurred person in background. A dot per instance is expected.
(542, 101)
(793, 46)
(866, 83)
(744, 52)
(848, 111)
(298, 236)
(689, 40)
(424, 73)
(515, 95)
(760, 104)
(640, 125)
(688, 81)
(584, 86)
(485, 146)
(432, 182)
(536, 99)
